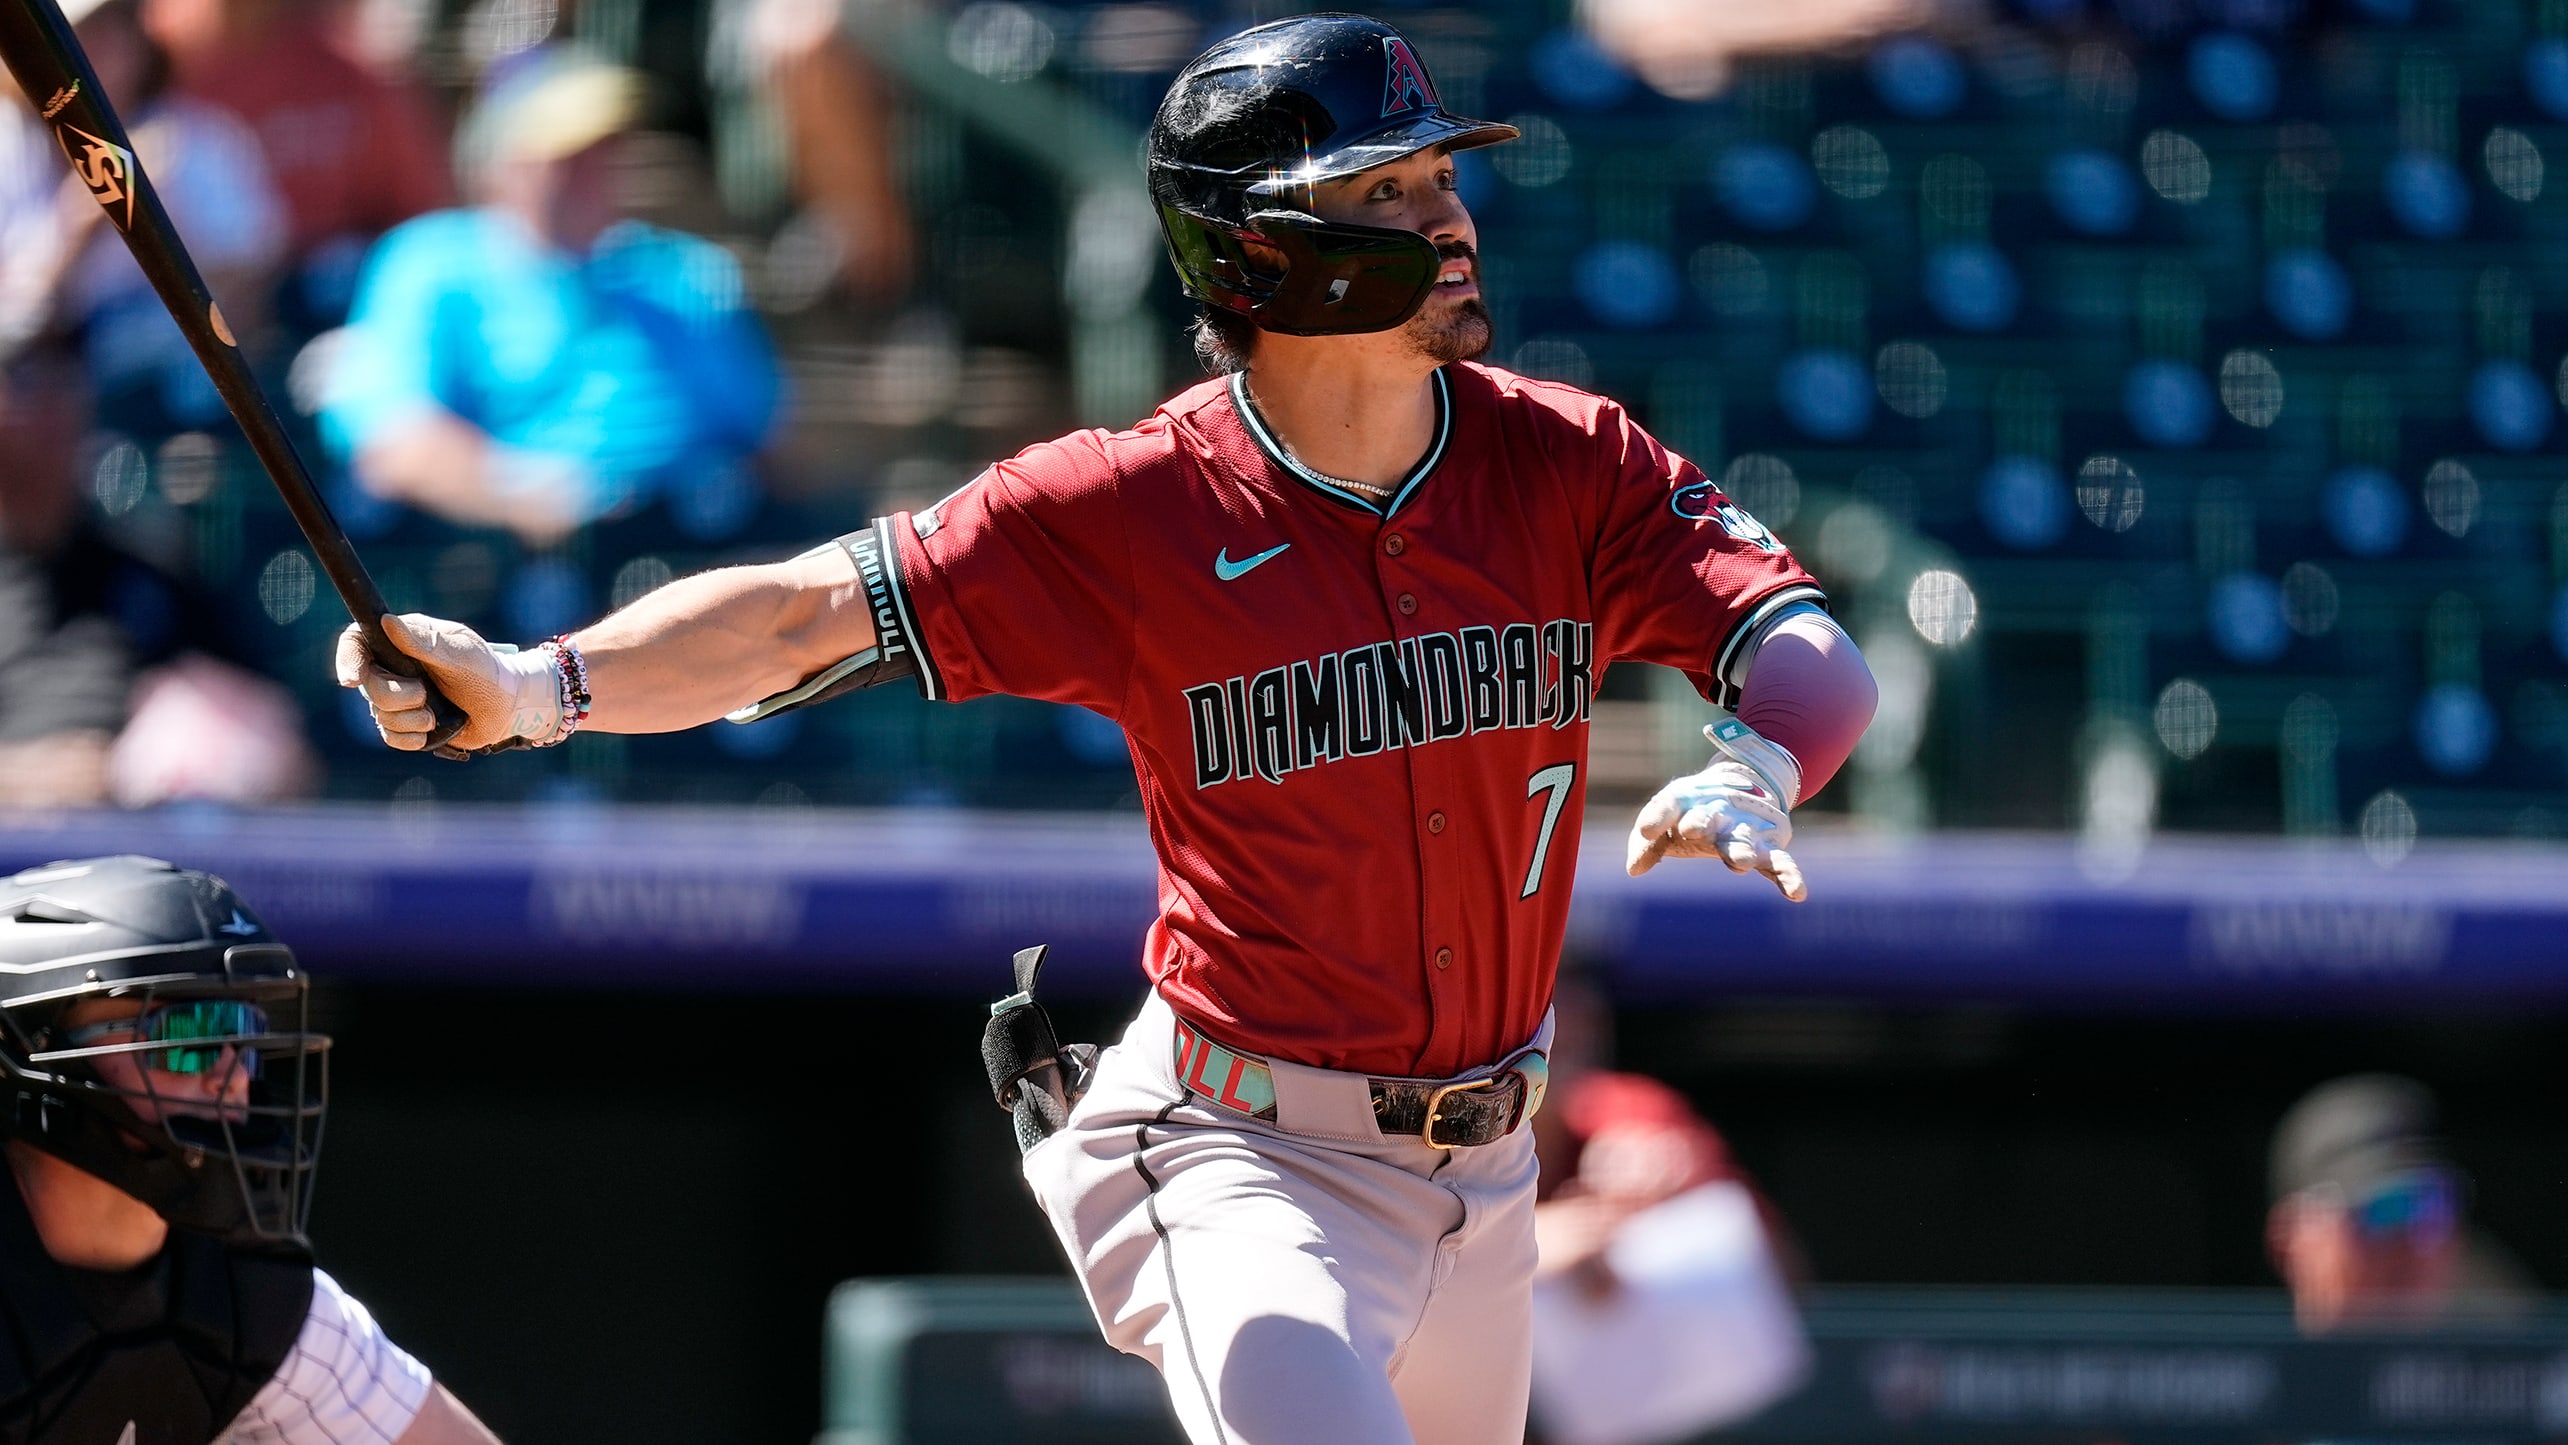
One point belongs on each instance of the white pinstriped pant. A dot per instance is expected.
(1305, 1280)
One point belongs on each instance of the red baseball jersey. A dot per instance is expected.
(1359, 723)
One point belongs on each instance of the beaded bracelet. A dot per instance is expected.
(570, 670)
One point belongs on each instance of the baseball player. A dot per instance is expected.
(1350, 602)
(160, 1106)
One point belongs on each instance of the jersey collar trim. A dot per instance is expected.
(1330, 487)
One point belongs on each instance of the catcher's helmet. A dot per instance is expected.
(1251, 125)
(218, 998)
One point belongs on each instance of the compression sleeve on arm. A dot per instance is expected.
(1809, 692)
(345, 1383)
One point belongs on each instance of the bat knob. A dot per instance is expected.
(450, 720)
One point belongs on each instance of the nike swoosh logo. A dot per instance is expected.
(1230, 571)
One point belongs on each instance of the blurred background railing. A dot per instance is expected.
(932, 1361)
(922, 901)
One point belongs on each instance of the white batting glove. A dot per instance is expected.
(503, 693)
(1738, 810)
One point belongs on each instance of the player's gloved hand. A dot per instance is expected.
(1738, 810)
(504, 694)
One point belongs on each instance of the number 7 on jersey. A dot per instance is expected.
(1553, 781)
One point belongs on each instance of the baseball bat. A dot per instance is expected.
(39, 48)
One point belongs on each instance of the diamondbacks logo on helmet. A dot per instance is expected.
(1404, 81)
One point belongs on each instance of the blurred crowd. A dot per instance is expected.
(2164, 389)
(449, 274)
(1667, 1296)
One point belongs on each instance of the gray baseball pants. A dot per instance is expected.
(1300, 1280)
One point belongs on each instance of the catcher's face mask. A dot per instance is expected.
(200, 1097)
(153, 1033)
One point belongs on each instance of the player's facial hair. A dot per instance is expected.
(1462, 333)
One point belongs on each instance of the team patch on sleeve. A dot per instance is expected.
(1703, 502)
(1386, 695)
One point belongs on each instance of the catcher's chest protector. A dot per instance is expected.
(165, 1355)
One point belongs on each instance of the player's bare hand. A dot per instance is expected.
(1734, 810)
(504, 694)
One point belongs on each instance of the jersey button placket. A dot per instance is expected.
(1441, 1016)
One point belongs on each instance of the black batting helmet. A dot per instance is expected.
(153, 1033)
(1250, 126)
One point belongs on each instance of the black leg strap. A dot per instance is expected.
(1033, 1075)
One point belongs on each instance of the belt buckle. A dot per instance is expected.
(1435, 1105)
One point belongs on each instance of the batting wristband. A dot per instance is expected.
(1768, 759)
(570, 673)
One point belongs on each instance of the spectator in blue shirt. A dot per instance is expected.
(535, 362)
